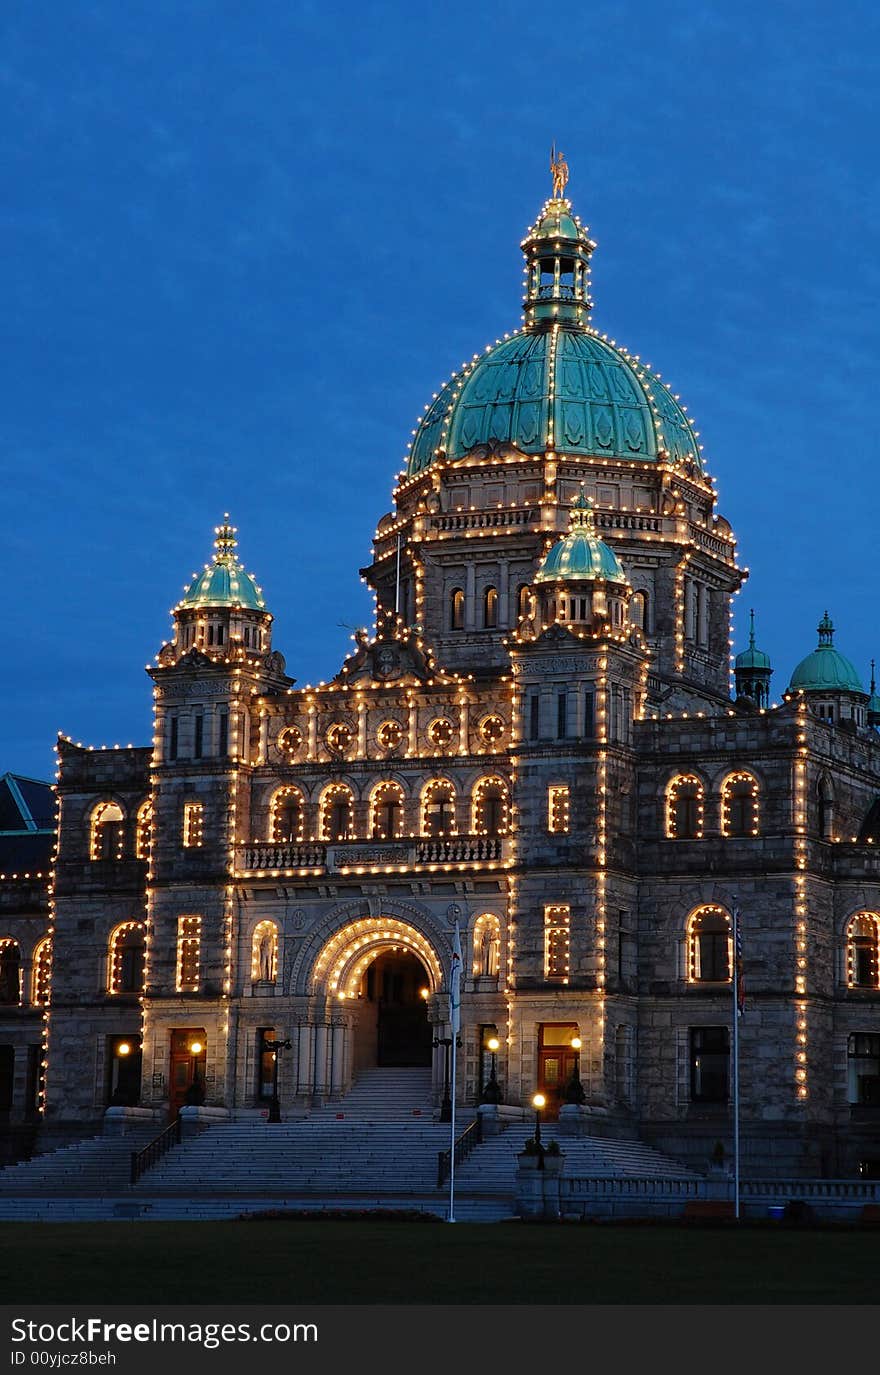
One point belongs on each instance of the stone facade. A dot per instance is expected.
(577, 790)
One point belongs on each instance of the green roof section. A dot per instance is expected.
(826, 669)
(581, 556)
(557, 383)
(752, 657)
(225, 582)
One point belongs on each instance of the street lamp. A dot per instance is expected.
(574, 1089)
(275, 1104)
(491, 1091)
(446, 1043)
(539, 1102)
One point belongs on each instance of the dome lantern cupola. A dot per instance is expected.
(753, 671)
(557, 251)
(223, 606)
(581, 579)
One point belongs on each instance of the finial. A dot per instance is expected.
(873, 684)
(559, 172)
(752, 628)
(224, 541)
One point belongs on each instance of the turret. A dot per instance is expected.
(830, 681)
(753, 671)
(222, 607)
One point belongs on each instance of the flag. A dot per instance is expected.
(455, 983)
(738, 964)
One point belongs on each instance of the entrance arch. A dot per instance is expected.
(384, 973)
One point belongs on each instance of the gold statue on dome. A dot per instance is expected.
(559, 172)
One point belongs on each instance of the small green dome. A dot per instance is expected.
(225, 582)
(581, 556)
(752, 658)
(826, 669)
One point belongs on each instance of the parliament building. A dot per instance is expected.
(545, 740)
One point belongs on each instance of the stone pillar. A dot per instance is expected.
(304, 1060)
(320, 1089)
(470, 597)
(337, 1059)
(504, 596)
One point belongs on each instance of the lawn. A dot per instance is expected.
(340, 1262)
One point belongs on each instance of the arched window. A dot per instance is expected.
(264, 953)
(490, 608)
(490, 808)
(684, 808)
(825, 800)
(523, 601)
(10, 972)
(487, 946)
(709, 942)
(337, 813)
(638, 610)
(106, 831)
(863, 950)
(456, 609)
(125, 962)
(386, 811)
(739, 805)
(287, 816)
(438, 808)
(42, 972)
(143, 830)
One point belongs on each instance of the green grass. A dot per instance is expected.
(340, 1262)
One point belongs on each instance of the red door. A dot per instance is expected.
(188, 1056)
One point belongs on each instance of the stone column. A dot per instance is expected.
(504, 618)
(337, 1059)
(304, 1060)
(320, 1087)
(470, 597)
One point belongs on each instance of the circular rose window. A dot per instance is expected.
(441, 732)
(290, 740)
(339, 737)
(491, 729)
(389, 735)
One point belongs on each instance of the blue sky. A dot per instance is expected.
(242, 245)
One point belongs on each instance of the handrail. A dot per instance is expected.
(141, 1161)
(470, 1137)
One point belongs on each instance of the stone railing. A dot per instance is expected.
(632, 1196)
(271, 857)
(482, 520)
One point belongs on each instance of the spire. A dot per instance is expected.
(873, 684)
(826, 632)
(225, 541)
(752, 628)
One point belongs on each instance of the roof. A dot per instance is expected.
(225, 582)
(753, 658)
(27, 824)
(581, 556)
(826, 669)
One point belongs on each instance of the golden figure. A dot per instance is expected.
(559, 172)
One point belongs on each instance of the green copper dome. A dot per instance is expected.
(225, 581)
(826, 669)
(581, 555)
(752, 658)
(557, 383)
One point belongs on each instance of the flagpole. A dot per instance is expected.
(451, 1217)
(735, 988)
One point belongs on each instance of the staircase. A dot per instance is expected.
(376, 1148)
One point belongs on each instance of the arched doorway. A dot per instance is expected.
(385, 972)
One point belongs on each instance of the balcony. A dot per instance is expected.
(360, 856)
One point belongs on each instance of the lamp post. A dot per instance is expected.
(491, 1091)
(446, 1043)
(275, 1104)
(574, 1089)
(195, 1094)
(538, 1102)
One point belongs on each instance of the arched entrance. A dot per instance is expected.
(385, 972)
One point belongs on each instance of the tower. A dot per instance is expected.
(753, 671)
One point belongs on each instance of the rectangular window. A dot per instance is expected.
(562, 715)
(172, 737)
(199, 736)
(189, 954)
(223, 733)
(535, 716)
(193, 824)
(710, 1064)
(556, 943)
(863, 1069)
(558, 807)
(589, 714)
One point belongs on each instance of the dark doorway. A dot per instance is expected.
(188, 1059)
(556, 1063)
(7, 1081)
(123, 1071)
(398, 985)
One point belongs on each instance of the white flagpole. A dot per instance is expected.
(735, 983)
(454, 1027)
